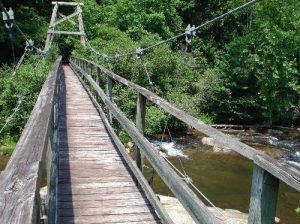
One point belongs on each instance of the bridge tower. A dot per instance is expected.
(54, 22)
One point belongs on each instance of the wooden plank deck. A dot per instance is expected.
(94, 183)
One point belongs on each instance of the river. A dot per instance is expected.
(225, 178)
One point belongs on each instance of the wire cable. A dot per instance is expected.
(190, 182)
(9, 119)
(192, 30)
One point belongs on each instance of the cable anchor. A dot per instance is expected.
(29, 45)
(190, 32)
(139, 52)
(187, 179)
(8, 18)
(105, 58)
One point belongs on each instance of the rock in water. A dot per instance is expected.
(180, 216)
(216, 148)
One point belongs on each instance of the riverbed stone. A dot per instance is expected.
(216, 148)
(274, 131)
(180, 216)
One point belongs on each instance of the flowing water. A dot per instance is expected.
(225, 178)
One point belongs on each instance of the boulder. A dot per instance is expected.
(180, 216)
(216, 148)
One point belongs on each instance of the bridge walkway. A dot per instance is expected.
(94, 183)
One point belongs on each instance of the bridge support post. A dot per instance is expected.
(98, 76)
(264, 194)
(110, 96)
(140, 124)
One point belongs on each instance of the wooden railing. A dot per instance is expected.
(21, 180)
(267, 172)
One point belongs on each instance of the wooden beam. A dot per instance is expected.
(80, 26)
(109, 93)
(70, 20)
(285, 173)
(140, 124)
(65, 18)
(65, 32)
(67, 3)
(52, 21)
(263, 200)
(21, 180)
(185, 195)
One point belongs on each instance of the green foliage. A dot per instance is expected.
(7, 146)
(298, 212)
(27, 83)
(242, 69)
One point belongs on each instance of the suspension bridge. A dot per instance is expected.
(91, 178)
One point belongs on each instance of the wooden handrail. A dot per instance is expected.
(220, 138)
(186, 196)
(266, 172)
(21, 179)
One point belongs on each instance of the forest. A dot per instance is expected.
(243, 69)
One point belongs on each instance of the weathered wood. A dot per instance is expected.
(52, 21)
(90, 168)
(65, 32)
(281, 171)
(138, 175)
(21, 179)
(64, 19)
(133, 217)
(140, 124)
(186, 196)
(263, 197)
(287, 174)
(109, 93)
(80, 25)
(69, 20)
(67, 3)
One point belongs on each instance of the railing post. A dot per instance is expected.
(264, 194)
(140, 124)
(98, 75)
(110, 95)
(91, 70)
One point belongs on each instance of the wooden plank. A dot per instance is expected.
(67, 3)
(64, 32)
(104, 211)
(186, 196)
(21, 179)
(92, 173)
(138, 175)
(263, 197)
(134, 217)
(98, 197)
(111, 190)
(99, 204)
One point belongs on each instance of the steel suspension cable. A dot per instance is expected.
(243, 6)
(9, 119)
